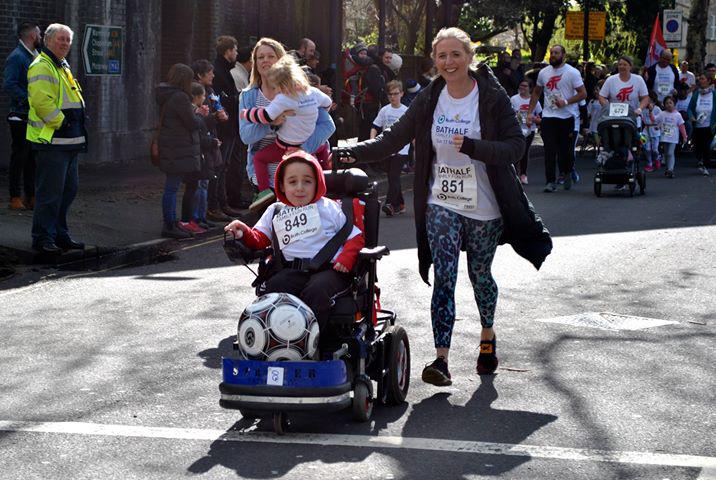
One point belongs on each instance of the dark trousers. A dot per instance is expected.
(22, 162)
(169, 199)
(56, 183)
(368, 112)
(217, 185)
(702, 145)
(393, 166)
(558, 137)
(317, 289)
(526, 155)
(237, 188)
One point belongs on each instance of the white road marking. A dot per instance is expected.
(707, 464)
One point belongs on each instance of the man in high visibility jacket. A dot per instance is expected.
(56, 129)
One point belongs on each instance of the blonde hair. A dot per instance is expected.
(457, 34)
(394, 85)
(287, 77)
(278, 49)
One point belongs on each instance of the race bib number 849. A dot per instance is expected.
(295, 223)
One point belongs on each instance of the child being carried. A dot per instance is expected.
(297, 103)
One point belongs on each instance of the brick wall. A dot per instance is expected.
(157, 33)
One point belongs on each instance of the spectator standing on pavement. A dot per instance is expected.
(259, 94)
(427, 72)
(204, 75)
(686, 77)
(563, 89)
(375, 96)
(387, 116)
(466, 192)
(518, 70)
(179, 148)
(663, 77)
(702, 112)
(521, 104)
(56, 129)
(241, 71)
(22, 157)
(590, 80)
(412, 88)
(306, 49)
(225, 87)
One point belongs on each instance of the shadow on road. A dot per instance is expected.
(433, 419)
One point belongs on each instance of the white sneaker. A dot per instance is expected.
(705, 172)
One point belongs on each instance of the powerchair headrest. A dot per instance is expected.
(348, 182)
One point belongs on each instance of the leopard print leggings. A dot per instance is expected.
(446, 232)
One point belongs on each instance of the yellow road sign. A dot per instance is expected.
(574, 26)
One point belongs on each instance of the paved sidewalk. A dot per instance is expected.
(117, 213)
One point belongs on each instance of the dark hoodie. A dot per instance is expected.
(255, 239)
(179, 143)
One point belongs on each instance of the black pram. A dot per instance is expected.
(620, 149)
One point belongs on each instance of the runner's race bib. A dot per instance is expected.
(668, 130)
(618, 109)
(664, 89)
(455, 186)
(296, 223)
(552, 100)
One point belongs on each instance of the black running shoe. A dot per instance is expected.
(437, 373)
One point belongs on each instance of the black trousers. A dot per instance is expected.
(393, 166)
(238, 190)
(558, 137)
(702, 145)
(368, 112)
(526, 155)
(216, 195)
(316, 289)
(22, 162)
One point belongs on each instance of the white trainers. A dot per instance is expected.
(704, 171)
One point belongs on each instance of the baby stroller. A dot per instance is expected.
(360, 344)
(620, 150)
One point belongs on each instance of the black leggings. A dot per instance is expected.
(702, 145)
(526, 155)
(558, 137)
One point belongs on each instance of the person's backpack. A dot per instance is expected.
(354, 87)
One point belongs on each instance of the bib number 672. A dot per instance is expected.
(452, 186)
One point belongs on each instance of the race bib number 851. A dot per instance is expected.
(455, 187)
(296, 223)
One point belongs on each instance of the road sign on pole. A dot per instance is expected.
(672, 28)
(102, 50)
(574, 25)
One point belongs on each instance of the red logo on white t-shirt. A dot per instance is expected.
(525, 106)
(553, 81)
(623, 94)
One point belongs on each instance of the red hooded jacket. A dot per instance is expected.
(256, 240)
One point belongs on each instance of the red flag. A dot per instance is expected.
(656, 44)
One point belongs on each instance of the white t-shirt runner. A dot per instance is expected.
(704, 105)
(298, 128)
(669, 124)
(559, 83)
(458, 182)
(387, 116)
(615, 90)
(520, 105)
(308, 229)
(664, 82)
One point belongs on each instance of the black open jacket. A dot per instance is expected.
(501, 146)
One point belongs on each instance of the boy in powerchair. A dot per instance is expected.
(315, 248)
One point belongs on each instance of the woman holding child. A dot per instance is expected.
(260, 94)
(466, 191)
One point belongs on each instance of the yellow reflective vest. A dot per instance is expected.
(56, 116)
